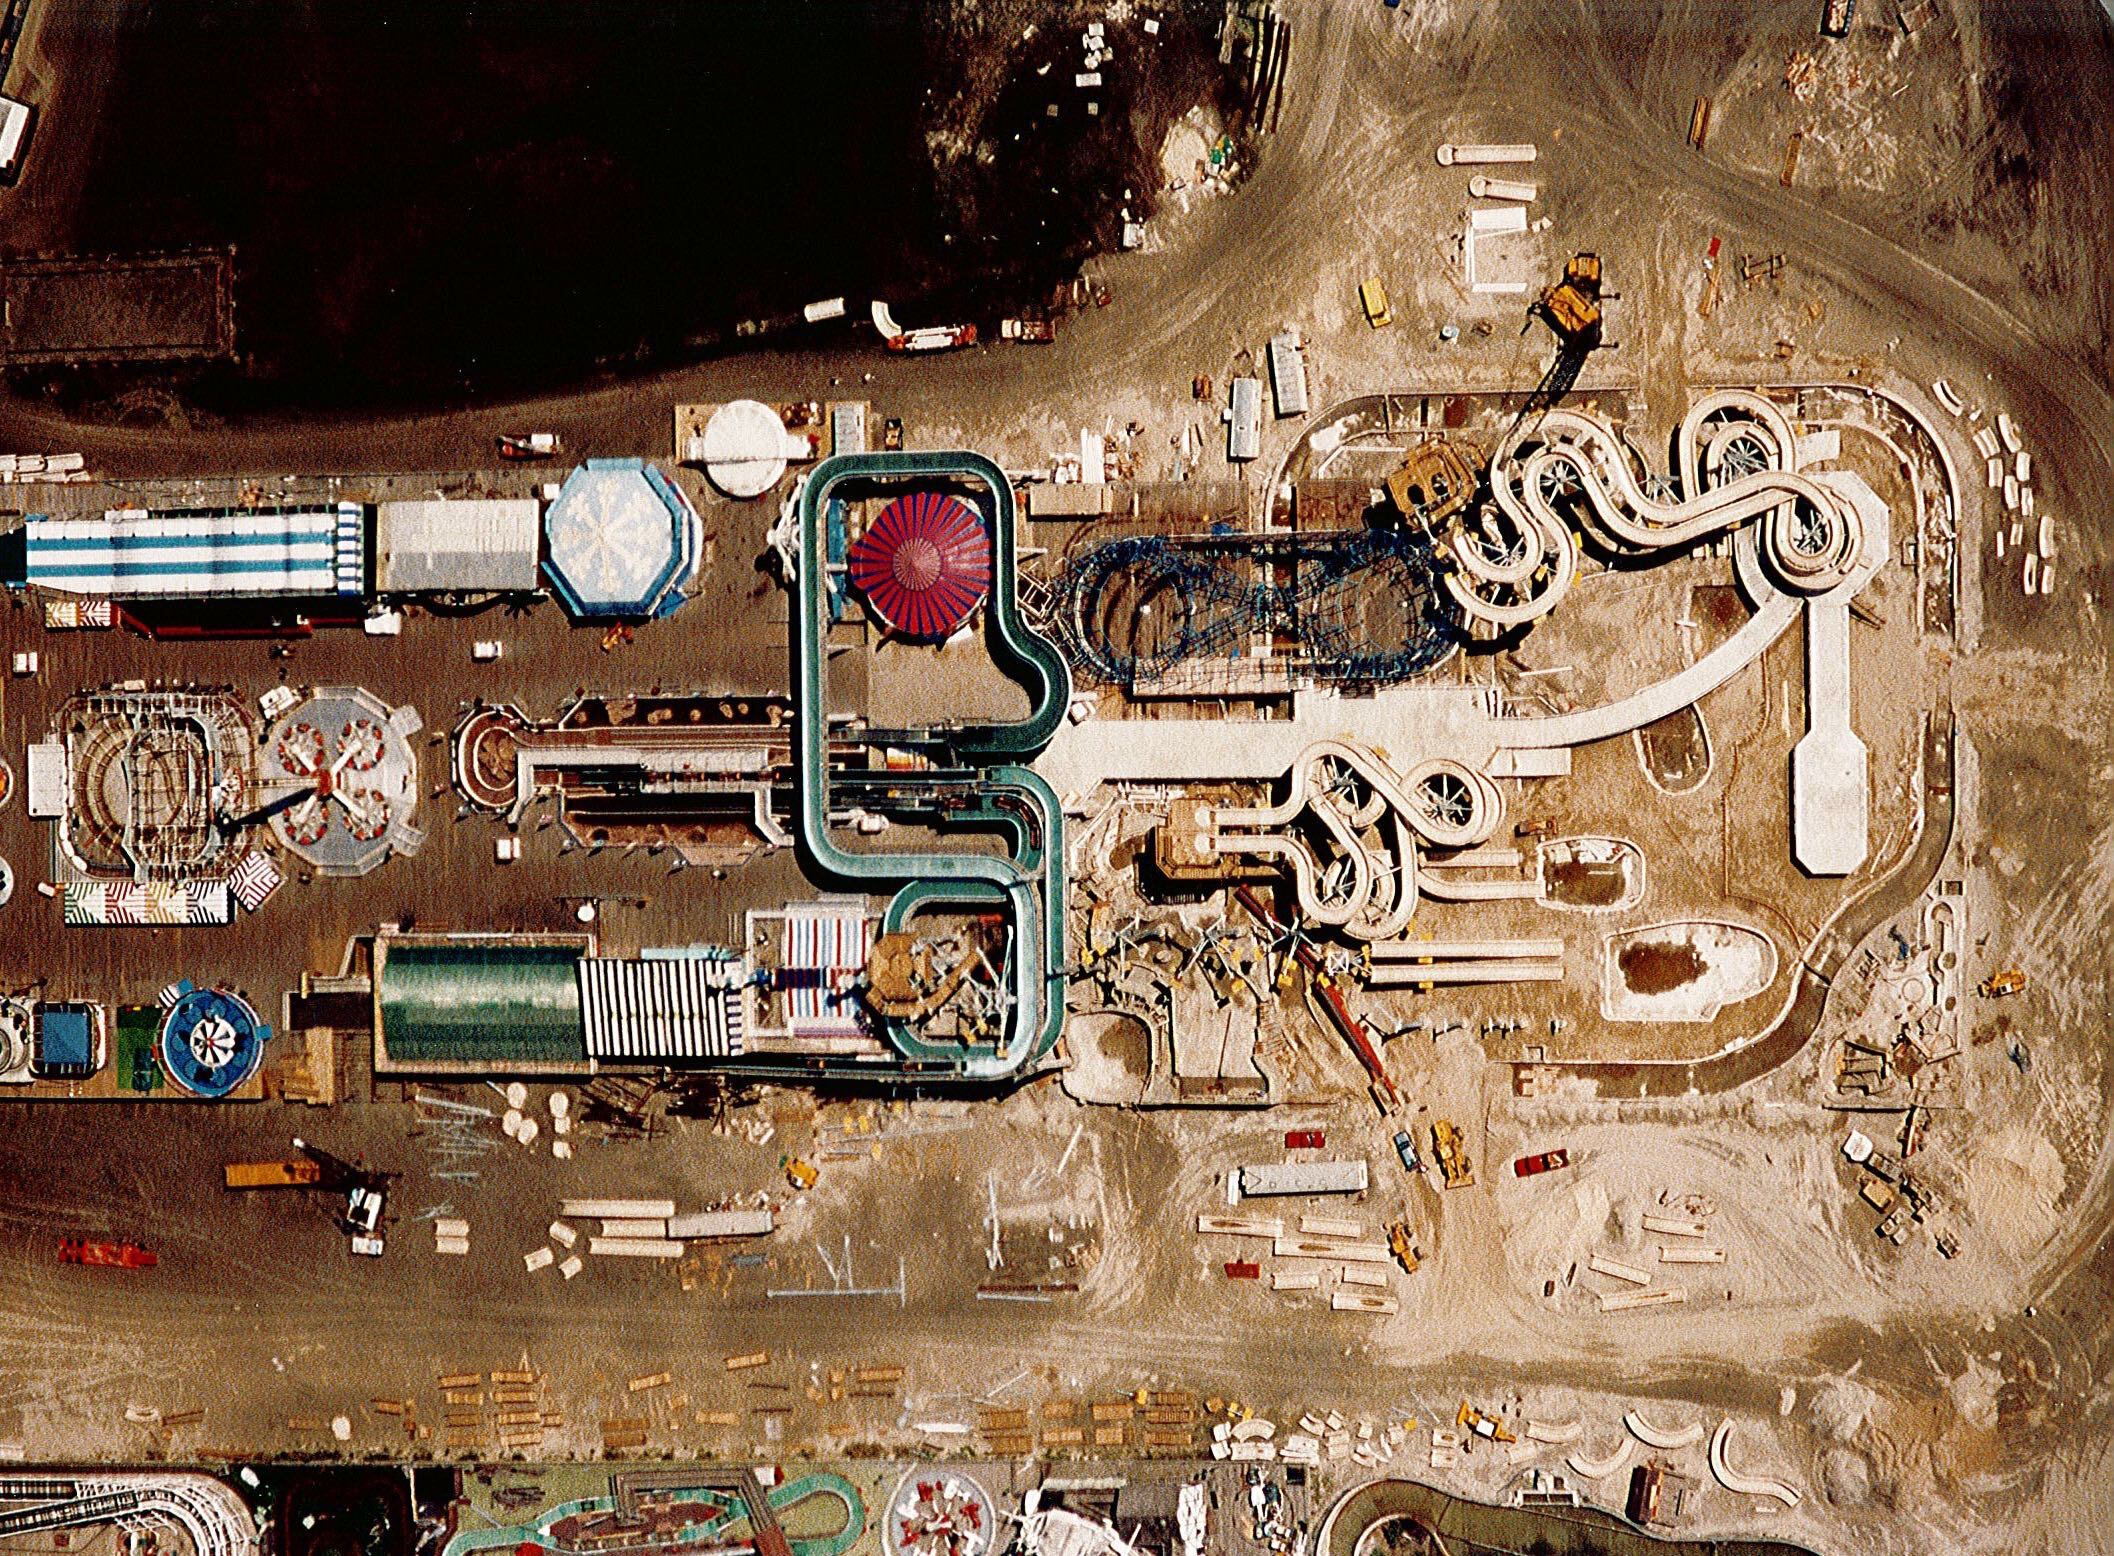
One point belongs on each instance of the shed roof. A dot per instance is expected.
(197, 553)
(14, 125)
(661, 1008)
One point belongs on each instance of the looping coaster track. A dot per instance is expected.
(1356, 606)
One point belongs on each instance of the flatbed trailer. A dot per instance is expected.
(303, 1174)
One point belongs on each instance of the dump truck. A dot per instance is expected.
(2002, 985)
(302, 1174)
(1450, 1147)
(1372, 297)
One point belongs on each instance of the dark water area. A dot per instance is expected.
(431, 199)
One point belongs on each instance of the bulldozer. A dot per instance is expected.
(1451, 1148)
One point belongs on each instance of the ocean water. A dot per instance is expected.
(435, 198)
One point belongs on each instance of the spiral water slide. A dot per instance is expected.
(1735, 456)
(1368, 891)
(212, 1517)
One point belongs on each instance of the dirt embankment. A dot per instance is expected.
(1047, 136)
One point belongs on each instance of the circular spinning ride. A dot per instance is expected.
(211, 1042)
(936, 1513)
(924, 564)
(340, 780)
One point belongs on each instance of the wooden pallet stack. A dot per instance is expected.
(503, 1409)
(1005, 1434)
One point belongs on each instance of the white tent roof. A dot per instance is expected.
(744, 448)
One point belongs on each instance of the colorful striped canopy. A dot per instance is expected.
(924, 564)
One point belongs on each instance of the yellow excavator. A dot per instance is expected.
(1572, 306)
(1485, 1426)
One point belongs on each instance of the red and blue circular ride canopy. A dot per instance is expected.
(924, 564)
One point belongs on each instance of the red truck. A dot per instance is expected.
(1547, 1161)
(120, 1256)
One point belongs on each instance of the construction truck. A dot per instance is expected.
(1402, 1246)
(2002, 985)
(1488, 1427)
(1450, 1147)
(1572, 306)
(304, 1174)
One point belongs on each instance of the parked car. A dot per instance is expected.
(1305, 1139)
(1547, 1161)
(1406, 1148)
(1029, 332)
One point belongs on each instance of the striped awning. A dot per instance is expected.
(254, 880)
(823, 953)
(678, 1008)
(103, 903)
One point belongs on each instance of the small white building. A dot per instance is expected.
(15, 118)
(1288, 373)
(1244, 421)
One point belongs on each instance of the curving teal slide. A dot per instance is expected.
(975, 779)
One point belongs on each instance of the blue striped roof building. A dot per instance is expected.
(294, 551)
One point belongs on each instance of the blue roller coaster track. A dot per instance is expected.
(1355, 606)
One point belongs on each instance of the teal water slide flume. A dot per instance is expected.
(977, 777)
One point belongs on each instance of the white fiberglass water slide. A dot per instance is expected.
(1745, 1485)
(1666, 1438)
(1600, 1469)
(1735, 456)
(1367, 890)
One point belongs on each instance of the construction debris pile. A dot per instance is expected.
(1802, 76)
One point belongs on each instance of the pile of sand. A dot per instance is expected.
(2011, 1189)
(1561, 1230)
